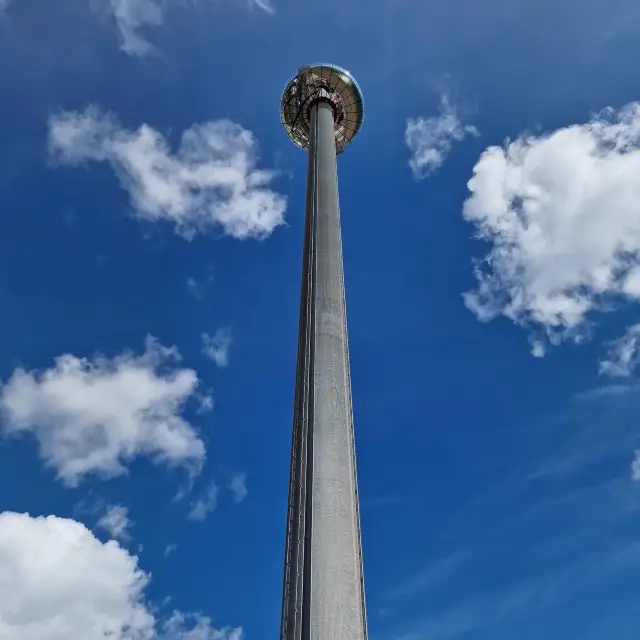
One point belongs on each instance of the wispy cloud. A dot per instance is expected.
(115, 521)
(430, 139)
(196, 627)
(238, 487)
(635, 467)
(206, 504)
(210, 182)
(216, 348)
(490, 608)
(551, 533)
(133, 18)
(437, 572)
(623, 354)
(264, 5)
(198, 287)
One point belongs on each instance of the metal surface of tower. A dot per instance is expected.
(323, 594)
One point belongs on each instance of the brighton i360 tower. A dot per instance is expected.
(323, 595)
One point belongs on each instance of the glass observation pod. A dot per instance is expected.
(331, 83)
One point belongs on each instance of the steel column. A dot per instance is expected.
(323, 587)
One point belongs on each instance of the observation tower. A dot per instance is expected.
(323, 593)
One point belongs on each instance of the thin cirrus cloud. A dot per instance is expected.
(95, 416)
(134, 17)
(563, 564)
(564, 476)
(561, 213)
(430, 140)
(210, 182)
(59, 581)
(217, 347)
(568, 556)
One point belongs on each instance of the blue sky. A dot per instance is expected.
(151, 212)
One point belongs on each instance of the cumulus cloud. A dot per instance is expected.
(561, 212)
(211, 181)
(217, 347)
(623, 354)
(206, 504)
(635, 467)
(430, 139)
(238, 487)
(115, 521)
(94, 416)
(58, 581)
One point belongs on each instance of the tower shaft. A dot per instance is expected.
(323, 584)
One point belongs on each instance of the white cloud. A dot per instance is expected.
(3, 5)
(635, 467)
(205, 402)
(538, 348)
(623, 355)
(217, 347)
(197, 287)
(430, 139)
(132, 17)
(206, 504)
(94, 416)
(193, 288)
(196, 627)
(169, 549)
(562, 214)
(264, 5)
(211, 181)
(238, 487)
(58, 581)
(115, 521)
